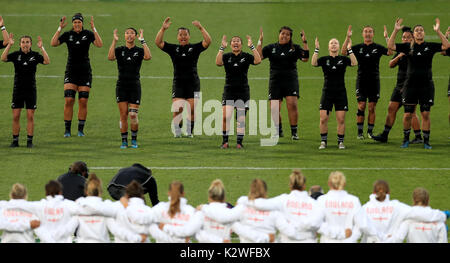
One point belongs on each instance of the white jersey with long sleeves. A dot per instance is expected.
(340, 210)
(16, 211)
(300, 210)
(415, 230)
(176, 229)
(214, 230)
(136, 218)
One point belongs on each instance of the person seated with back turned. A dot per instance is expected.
(125, 176)
(74, 180)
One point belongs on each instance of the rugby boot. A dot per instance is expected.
(380, 138)
(323, 145)
(134, 144)
(224, 146)
(405, 144)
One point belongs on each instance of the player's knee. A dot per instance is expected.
(133, 115)
(83, 95)
(70, 93)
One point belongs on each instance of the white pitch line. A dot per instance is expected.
(275, 168)
(213, 78)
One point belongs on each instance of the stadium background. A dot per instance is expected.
(198, 161)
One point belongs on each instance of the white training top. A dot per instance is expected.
(340, 210)
(415, 230)
(214, 229)
(178, 228)
(15, 212)
(300, 210)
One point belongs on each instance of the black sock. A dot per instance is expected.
(224, 137)
(124, 136)
(324, 137)
(240, 138)
(81, 125)
(426, 137)
(406, 135)
(340, 138)
(280, 127)
(386, 131)
(68, 125)
(190, 127)
(417, 133)
(360, 126)
(294, 129)
(29, 138)
(16, 138)
(370, 128)
(134, 135)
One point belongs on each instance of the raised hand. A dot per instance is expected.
(447, 34)
(197, 24)
(141, 34)
(39, 43)
(11, 39)
(1, 21)
(398, 24)
(385, 33)
(249, 41)
(349, 31)
(261, 34)
(224, 41)
(316, 42)
(437, 25)
(62, 22)
(92, 23)
(303, 35)
(116, 38)
(349, 44)
(166, 23)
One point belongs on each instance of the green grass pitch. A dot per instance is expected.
(362, 162)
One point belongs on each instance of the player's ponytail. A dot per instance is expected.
(336, 180)
(381, 189)
(176, 191)
(258, 189)
(93, 185)
(297, 180)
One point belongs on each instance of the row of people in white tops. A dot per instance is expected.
(336, 216)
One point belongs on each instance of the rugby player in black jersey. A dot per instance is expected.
(395, 103)
(236, 92)
(283, 82)
(368, 78)
(186, 83)
(4, 42)
(333, 92)
(24, 93)
(128, 88)
(418, 87)
(78, 75)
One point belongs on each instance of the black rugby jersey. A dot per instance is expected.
(368, 57)
(236, 69)
(129, 61)
(402, 69)
(78, 46)
(420, 57)
(334, 72)
(283, 60)
(25, 68)
(184, 59)
(1, 44)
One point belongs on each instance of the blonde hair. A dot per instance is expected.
(421, 196)
(93, 185)
(381, 189)
(297, 180)
(258, 189)
(18, 191)
(176, 190)
(216, 191)
(336, 180)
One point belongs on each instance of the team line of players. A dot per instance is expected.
(414, 83)
(334, 217)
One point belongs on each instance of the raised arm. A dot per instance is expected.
(44, 53)
(159, 41)
(354, 61)
(397, 27)
(436, 28)
(98, 41)
(315, 56)
(219, 57)
(259, 46)
(8, 47)
(305, 45)
(257, 57)
(147, 54)
(347, 39)
(206, 37)
(112, 48)
(55, 39)
(386, 34)
(4, 32)
(394, 62)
